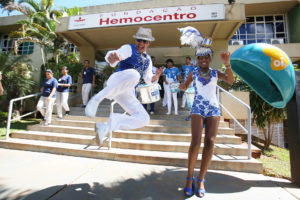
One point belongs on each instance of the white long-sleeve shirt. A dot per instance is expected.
(125, 52)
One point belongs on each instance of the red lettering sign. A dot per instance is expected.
(157, 18)
(79, 20)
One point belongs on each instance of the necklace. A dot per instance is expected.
(204, 74)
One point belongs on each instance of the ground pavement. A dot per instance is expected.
(38, 176)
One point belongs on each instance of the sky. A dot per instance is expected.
(78, 3)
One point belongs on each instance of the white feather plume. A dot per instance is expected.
(190, 36)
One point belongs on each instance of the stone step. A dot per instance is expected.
(142, 135)
(220, 139)
(219, 162)
(150, 127)
(91, 131)
(181, 116)
(162, 121)
(91, 123)
(155, 116)
(140, 144)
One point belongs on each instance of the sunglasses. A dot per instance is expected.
(144, 41)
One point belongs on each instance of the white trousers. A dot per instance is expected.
(121, 88)
(165, 96)
(86, 88)
(169, 95)
(45, 107)
(62, 101)
(183, 100)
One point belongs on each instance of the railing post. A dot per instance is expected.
(249, 134)
(110, 131)
(9, 118)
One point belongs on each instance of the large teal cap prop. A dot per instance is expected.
(267, 70)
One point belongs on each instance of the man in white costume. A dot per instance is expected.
(134, 64)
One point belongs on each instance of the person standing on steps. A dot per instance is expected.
(46, 101)
(186, 69)
(206, 107)
(88, 75)
(154, 69)
(171, 75)
(62, 94)
(134, 64)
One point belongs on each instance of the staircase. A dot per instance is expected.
(164, 141)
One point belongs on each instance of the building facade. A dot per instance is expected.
(107, 27)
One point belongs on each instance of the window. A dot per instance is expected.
(7, 45)
(26, 48)
(69, 48)
(264, 29)
(72, 48)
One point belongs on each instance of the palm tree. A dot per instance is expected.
(16, 77)
(39, 27)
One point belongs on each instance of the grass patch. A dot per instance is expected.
(16, 125)
(276, 161)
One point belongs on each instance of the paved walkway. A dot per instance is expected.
(38, 176)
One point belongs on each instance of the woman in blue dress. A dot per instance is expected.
(206, 107)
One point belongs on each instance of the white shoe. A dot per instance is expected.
(91, 108)
(46, 124)
(168, 113)
(182, 106)
(151, 113)
(101, 131)
(176, 113)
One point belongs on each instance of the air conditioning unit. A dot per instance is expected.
(237, 42)
(277, 41)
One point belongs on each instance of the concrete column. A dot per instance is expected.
(218, 47)
(87, 52)
(293, 118)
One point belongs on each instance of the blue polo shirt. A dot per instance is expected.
(172, 73)
(88, 75)
(186, 70)
(48, 86)
(64, 80)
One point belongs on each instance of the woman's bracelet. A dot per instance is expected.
(227, 65)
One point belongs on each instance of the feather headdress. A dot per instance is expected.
(192, 37)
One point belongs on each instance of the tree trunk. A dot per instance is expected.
(268, 134)
(43, 57)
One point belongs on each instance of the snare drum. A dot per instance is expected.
(190, 95)
(149, 93)
(174, 87)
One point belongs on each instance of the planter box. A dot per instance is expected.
(235, 108)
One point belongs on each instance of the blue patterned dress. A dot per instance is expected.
(205, 102)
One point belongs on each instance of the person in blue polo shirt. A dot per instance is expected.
(171, 75)
(186, 69)
(62, 95)
(88, 76)
(46, 101)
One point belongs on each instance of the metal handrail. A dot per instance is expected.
(110, 131)
(247, 130)
(10, 109)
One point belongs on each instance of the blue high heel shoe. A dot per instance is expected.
(200, 192)
(188, 192)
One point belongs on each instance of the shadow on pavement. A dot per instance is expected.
(166, 185)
